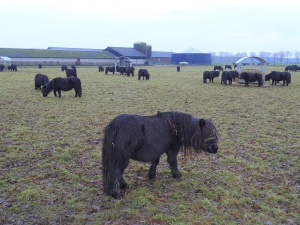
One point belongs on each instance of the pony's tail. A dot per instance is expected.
(108, 158)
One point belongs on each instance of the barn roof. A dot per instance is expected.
(160, 54)
(46, 53)
(192, 50)
(253, 57)
(129, 52)
(5, 58)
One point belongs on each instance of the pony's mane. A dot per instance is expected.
(188, 130)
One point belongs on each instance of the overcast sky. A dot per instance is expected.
(210, 26)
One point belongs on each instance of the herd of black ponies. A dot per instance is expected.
(147, 138)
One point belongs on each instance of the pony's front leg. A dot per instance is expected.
(152, 170)
(172, 160)
(59, 93)
(54, 91)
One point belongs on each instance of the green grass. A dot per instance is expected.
(50, 151)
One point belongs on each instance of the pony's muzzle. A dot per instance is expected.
(211, 148)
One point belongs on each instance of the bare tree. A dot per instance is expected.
(252, 54)
(288, 54)
(262, 54)
(213, 56)
(275, 56)
(268, 54)
(244, 54)
(281, 56)
(297, 55)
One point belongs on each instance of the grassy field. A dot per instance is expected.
(50, 151)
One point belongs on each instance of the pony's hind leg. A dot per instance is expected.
(119, 182)
(152, 170)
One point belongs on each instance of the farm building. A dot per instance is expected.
(192, 57)
(56, 56)
(159, 57)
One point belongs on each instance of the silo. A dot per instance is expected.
(192, 56)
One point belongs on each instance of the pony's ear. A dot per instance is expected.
(202, 122)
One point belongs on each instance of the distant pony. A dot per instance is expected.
(146, 138)
(143, 73)
(178, 68)
(228, 67)
(218, 68)
(39, 80)
(210, 75)
(59, 84)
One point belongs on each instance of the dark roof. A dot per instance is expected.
(158, 54)
(46, 53)
(129, 52)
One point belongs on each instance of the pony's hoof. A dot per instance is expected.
(177, 175)
(151, 176)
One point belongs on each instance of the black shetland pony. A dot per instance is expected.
(100, 68)
(251, 77)
(110, 69)
(228, 67)
(71, 72)
(143, 73)
(178, 68)
(226, 76)
(279, 76)
(218, 68)
(39, 80)
(146, 138)
(59, 84)
(210, 75)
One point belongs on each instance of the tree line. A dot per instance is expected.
(282, 56)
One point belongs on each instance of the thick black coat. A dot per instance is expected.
(178, 68)
(12, 67)
(218, 68)
(71, 72)
(234, 74)
(100, 68)
(143, 73)
(40, 66)
(146, 139)
(210, 75)
(279, 76)
(228, 67)
(110, 69)
(226, 76)
(63, 68)
(251, 77)
(39, 80)
(130, 70)
(121, 70)
(59, 84)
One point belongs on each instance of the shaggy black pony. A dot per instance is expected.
(40, 66)
(226, 76)
(63, 68)
(228, 67)
(121, 69)
(39, 80)
(251, 77)
(110, 69)
(12, 67)
(178, 68)
(71, 72)
(210, 75)
(130, 70)
(279, 76)
(218, 68)
(59, 84)
(146, 138)
(143, 73)
(100, 68)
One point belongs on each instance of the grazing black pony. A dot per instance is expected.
(218, 68)
(178, 68)
(130, 70)
(1, 67)
(39, 80)
(146, 138)
(40, 66)
(228, 67)
(210, 75)
(71, 72)
(251, 77)
(110, 69)
(63, 68)
(226, 76)
(279, 76)
(143, 73)
(59, 84)
(12, 67)
(234, 74)
(121, 69)
(100, 68)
